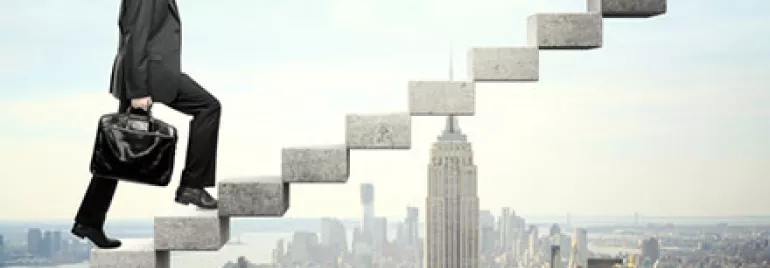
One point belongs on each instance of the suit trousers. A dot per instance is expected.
(200, 163)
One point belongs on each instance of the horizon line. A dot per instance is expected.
(571, 216)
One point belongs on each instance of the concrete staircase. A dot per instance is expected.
(268, 196)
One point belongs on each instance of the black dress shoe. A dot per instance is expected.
(96, 236)
(196, 196)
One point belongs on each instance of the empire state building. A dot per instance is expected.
(452, 217)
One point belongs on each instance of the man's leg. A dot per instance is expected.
(89, 221)
(96, 202)
(201, 159)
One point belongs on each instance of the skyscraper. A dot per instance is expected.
(367, 202)
(35, 241)
(504, 224)
(412, 225)
(651, 249)
(46, 244)
(362, 249)
(579, 254)
(556, 237)
(333, 235)
(512, 231)
(412, 242)
(303, 245)
(2, 245)
(519, 231)
(534, 246)
(379, 234)
(556, 256)
(452, 204)
(55, 242)
(486, 231)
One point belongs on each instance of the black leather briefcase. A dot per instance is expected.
(135, 147)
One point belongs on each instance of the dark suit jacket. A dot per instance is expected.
(148, 62)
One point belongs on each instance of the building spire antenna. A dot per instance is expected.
(452, 130)
(450, 120)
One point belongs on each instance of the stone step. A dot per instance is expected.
(316, 164)
(265, 196)
(191, 230)
(628, 8)
(565, 30)
(439, 98)
(504, 64)
(134, 253)
(378, 131)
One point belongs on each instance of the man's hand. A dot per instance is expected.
(142, 103)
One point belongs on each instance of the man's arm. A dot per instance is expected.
(138, 18)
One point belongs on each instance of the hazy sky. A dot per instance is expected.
(670, 117)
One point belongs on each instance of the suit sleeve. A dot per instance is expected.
(138, 19)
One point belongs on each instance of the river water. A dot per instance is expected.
(256, 247)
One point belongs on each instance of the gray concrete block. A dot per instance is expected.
(503, 64)
(134, 253)
(436, 98)
(316, 164)
(383, 131)
(253, 197)
(191, 230)
(565, 30)
(628, 8)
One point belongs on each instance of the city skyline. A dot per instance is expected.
(680, 126)
(640, 245)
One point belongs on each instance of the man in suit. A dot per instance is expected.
(147, 69)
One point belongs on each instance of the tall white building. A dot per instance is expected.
(579, 254)
(556, 237)
(362, 249)
(302, 246)
(487, 237)
(367, 205)
(504, 225)
(534, 245)
(334, 235)
(379, 234)
(413, 244)
(452, 217)
(519, 231)
(556, 256)
(412, 226)
(512, 233)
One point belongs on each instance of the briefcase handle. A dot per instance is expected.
(148, 113)
(143, 116)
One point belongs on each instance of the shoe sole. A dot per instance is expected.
(82, 237)
(188, 202)
(182, 201)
